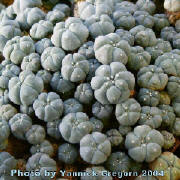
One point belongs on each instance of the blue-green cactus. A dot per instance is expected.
(75, 126)
(41, 29)
(152, 77)
(72, 105)
(48, 106)
(75, 67)
(31, 62)
(17, 48)
(41, 162)
(99, 25)
(151, 116)
(112, 83)
(20, 125)
(35, 135)
(144, 18)
(44, 147)
(67, 153)
(128, 112)
(148, 97)
(95, 148)
(30, 16)
(144, 143)
(70, 34)
(84, 93)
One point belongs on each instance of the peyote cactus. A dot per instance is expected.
(151, 116)
(42, 44)
(125, 35)
(8, 30)
(87, 50)
(70, 34)
(159, 49)
(170, 63)
(124, 130)
(75, 126)
(31, 62)
(175, 129)
(148, 97)
(160, 22)
(67, 153)
(41, 29)
(164, 98)
(97, 124)
(4, 130)
(112, 83)
(93, 65)
(95, 148)
(53, 129)
(99, 25)
(21, 5)
(7, 111)
(152, 77)
(35, 135)
(167, 33)
(40, 162)
(48, 106)
(173, 87)
(123, 20)
(144, 18)
(17, 48)
(19, 125)
(89, 89)
(30, 16)
(7, 71)
(95, 7)
(126, 6)
(63, 8)
(144, 143)
(138, 58)
(75, 67)
(128, 112)
(168, 164)
(7, 163)
(169, 139)
(148, 6)
(118, 161)
(27, 110)
(176, 106)
(25, 88)
(51, 58)
(44, 147)
(72, 105)
(99, 176)
(101, 111)
(84, 93)
(61, 86)
(112, 49)
(55, 16)
(168, 115)
(143, 36)
(114, 137)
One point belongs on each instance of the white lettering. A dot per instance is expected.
(13, 171)
(62, 172)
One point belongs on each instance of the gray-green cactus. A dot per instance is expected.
(112, 83)
(144, 143)
(75, 126)
(152, 77)
(95, 148)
